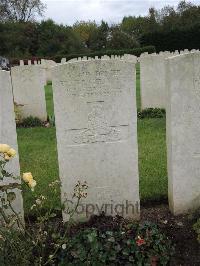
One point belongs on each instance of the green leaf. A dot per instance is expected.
(11, 196)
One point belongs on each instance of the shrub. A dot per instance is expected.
(31, 122)
(57, 58)
(151, 113)
(130, 244)
(51, 120)
(47, 241)
(38, 243)
(135, 51)
(196, 228)
(173, 39)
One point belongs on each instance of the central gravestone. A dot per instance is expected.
(96, 122)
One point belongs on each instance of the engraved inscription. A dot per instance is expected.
(99, 85)
(196, 155)
(91, 90)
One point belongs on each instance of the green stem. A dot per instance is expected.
(20, 222)
(4, 216)
(71, 215)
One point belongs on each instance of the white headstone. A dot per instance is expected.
(96, 123)
(29, 62)
(105, 57)
(63, 60)
(130, 57)
(8, 136)
(183, 131)
(72, 60)
(47, 66)
(21, 62)
(28, 90)
(152, 76)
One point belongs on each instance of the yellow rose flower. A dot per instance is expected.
(32, 184)
(7, 157)
(27, 177)
(4, 148)
(11, 152)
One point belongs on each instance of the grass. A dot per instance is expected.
(152, 159)
(38, 154)
(49, 99)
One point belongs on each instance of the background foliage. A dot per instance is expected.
(167, 29)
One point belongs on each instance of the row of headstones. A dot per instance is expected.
(176, 52)
(153, 91)
(43, 64)
(96, 125)
(84, 58)
(32, 78)
(28, 82)
(127, 56)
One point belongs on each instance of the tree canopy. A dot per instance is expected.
(168, 28)
(20, 10)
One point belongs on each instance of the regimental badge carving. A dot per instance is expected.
(98, 128)
(27, 76)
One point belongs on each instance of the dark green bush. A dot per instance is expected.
(31, 122)
(151, 113)
(130, 244)
(196, 226)
(174, 39)
(136, 52)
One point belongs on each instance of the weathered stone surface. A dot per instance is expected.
(183, 131)
(63, 60)
(47, 66)
(8, 136)
(96, 123)
(130, 57)
(28, 90)
(21, 62)
(152, 77)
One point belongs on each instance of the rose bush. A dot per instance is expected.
(46, 240)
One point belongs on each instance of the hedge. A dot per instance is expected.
(57, 58)
(135, 51)
(175, 39)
